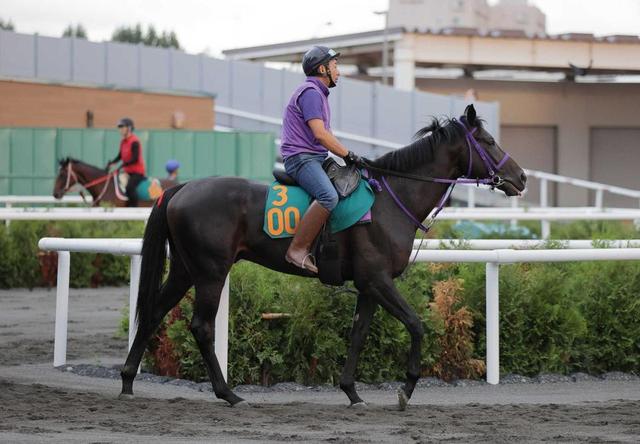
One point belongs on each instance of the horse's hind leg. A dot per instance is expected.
(171, 292)
(365, 309)
(203, 329)
(391, 300)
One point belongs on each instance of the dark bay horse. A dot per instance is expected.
(98, 182)
(212, 223)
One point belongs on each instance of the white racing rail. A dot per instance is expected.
(493, 253)
(544, 215)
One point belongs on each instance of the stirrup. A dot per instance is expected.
(311, 258)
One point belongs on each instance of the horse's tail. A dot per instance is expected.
(154, 253)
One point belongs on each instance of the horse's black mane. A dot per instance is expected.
(439, 131)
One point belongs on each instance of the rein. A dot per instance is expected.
(99, 180)
(493, 180)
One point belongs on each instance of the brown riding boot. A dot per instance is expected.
(298, 253)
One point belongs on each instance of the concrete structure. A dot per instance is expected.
(50, 105)
(563, 124)
(438, 14)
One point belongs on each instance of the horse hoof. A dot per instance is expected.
(241, 405)
(403, 400)
(125, 396)
(359, 405)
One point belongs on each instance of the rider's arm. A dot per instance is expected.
(326, 138)
(135, 153)
(310, 103)
(116, 159)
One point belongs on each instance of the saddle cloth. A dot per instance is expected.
(148, 189)
(286, 204)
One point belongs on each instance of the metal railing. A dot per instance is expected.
(492, 257)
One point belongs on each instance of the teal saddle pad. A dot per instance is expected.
(149, 189)
(287, 204)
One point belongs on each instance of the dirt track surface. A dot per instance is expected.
(42, 404)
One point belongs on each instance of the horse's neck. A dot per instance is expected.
(421, 197)
(86, 173)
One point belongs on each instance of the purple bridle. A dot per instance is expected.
(493, 180)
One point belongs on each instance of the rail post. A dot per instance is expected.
(62, 309)
(493, 322)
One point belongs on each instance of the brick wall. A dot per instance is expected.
(46, 105)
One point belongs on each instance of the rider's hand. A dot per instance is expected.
(352, 159)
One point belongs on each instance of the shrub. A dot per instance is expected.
(23, 265)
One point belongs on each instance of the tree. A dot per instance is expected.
(7, 26)
(78, 32)
(135, 34)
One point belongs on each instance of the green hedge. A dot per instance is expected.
(23, 265)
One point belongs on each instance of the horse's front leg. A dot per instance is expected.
(365, 309)
(390, 299)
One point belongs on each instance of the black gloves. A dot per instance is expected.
(353, 159)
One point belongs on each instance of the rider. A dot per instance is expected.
(132, 161)
(172, 166)
(306, 139)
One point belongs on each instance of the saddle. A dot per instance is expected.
(148, 189)
(345, 179)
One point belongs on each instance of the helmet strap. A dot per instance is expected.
(328, 75)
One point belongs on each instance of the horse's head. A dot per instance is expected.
(65, 179)
(488, 160)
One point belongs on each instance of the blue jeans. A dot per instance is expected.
(306, 169)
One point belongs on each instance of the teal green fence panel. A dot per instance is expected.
(22, 161)
(29, 156)
(45, 165)
(225, 160)
(252, 156)
(5, 160)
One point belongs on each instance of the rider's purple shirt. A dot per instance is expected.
(309, 101)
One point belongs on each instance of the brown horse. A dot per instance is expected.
(100, 183)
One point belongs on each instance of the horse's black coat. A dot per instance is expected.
(212, 223)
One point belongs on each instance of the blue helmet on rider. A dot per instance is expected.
(172, 165)
(316, 57)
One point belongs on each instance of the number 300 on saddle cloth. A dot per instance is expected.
(287, 204)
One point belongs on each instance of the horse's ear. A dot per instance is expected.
(470, 115)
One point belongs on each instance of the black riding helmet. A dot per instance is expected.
(315, 57)
(125, 121)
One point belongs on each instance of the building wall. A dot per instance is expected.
(517, 14)
(578, 112)
(438, 14)
(46, 105)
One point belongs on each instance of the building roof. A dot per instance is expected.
(614, 55)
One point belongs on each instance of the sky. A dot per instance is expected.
(211, 26)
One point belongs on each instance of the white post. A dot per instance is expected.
(62, 309)
(546, 229)
(222, 329)
(493, 323)
(514, 205)
(545, 225)
(471, 196)
(8, 221)
(134, 283)
(599, 193)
